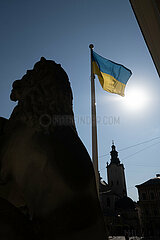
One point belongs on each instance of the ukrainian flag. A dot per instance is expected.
(112, 76)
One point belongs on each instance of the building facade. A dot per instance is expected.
(120, 212)
(149, 203)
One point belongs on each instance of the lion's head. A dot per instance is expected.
(44, 96)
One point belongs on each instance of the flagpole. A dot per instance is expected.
(94, 123)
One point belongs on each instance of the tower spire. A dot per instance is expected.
(116, 174)
(114, 154)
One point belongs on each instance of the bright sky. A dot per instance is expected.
(62, 30)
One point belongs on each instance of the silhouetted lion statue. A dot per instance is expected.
(43, 155)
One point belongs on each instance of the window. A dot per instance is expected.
(157, 5)
(144, 196)
(155, 212)
(117, 182)
(108, 202)
(146, 212)
(152, 195)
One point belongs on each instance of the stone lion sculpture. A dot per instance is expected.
(43, 155)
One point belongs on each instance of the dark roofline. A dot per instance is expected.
(150, 182)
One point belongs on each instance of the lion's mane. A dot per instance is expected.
(44, 97)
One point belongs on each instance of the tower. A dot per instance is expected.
(116, 175)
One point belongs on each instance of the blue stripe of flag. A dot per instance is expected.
(118, 71)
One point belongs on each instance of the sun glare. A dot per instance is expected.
(135, 99)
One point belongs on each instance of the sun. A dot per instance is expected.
(135, 99)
